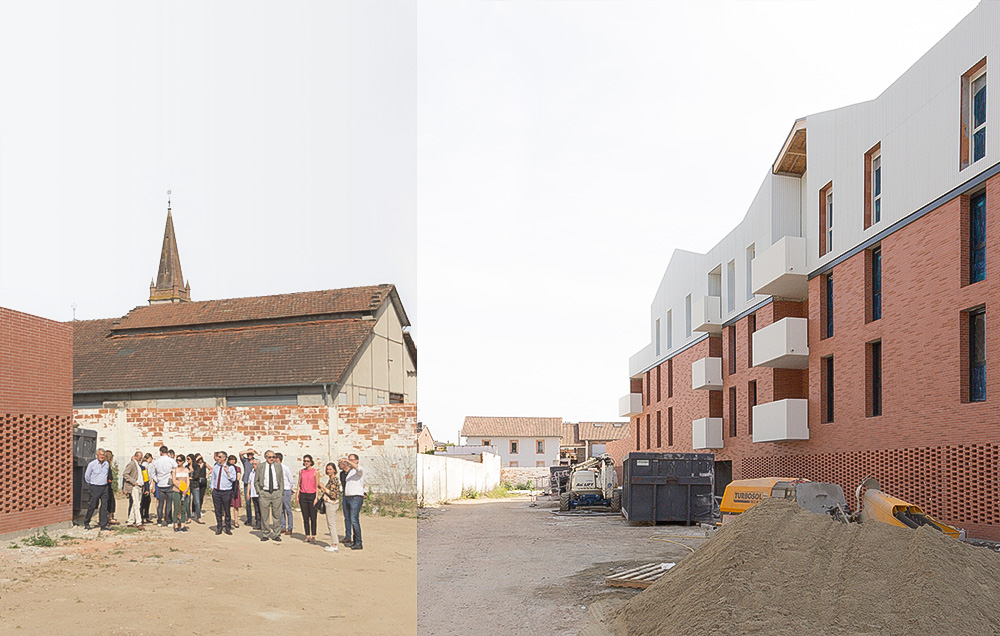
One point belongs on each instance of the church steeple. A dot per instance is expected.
(169, 286)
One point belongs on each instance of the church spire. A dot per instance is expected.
(169, 286)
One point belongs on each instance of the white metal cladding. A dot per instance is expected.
(781, 421)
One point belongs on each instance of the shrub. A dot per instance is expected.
(41, 540)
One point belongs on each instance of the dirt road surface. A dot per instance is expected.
(160, 582)
(504, 567)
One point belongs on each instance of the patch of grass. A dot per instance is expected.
(389, 505)
(118, 552)
(65, 537)
(14, 546)
(470, 493)
(175, 549)
(125, 530)
(500, 491)
(40, 540)
(154, 556)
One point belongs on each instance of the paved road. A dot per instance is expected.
(503, 567)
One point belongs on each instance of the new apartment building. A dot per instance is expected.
(850, 324)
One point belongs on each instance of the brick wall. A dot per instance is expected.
(384, 436)
(930, 446)
(36, 442)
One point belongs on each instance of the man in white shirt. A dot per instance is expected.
(354, 497)
(286, 496)
(96, 477)
(253, 499)
(159, 474)
(222, 482)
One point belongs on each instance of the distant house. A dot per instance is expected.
(525, 442)
(571, 449)
(596, 435)
(425, 442)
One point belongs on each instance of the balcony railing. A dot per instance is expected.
(706, 433)
(630, 405)
(783, 345)
(706, 374)
(780, 270)
(781, 421)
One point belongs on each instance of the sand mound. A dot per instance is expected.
(781, 570)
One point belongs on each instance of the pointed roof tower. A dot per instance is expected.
(169, 286)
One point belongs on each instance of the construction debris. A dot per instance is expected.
(640, 577)
(781, 570)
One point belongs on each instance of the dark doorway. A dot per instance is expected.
(723, 475)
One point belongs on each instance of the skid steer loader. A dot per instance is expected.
(592, 483)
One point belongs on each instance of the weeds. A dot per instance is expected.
(470, 493)
(124, 530)
(384, 504)
(40, 540)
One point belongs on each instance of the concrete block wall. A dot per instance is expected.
(36, 433)
(383, 436)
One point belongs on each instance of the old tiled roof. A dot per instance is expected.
(327, 303)
(287, 339)
(603, 431)
(512, 427)
(571, 434)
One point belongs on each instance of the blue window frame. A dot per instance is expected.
(979, 117)
(977, 238)
(829, 305)
(977, 355)
(876, 283)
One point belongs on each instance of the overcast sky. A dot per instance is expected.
(567, 148)
(535, 163)
(286, 131)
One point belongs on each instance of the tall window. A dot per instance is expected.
(513, 447)
(973, 139)
(874, 379)
(826, 219)
(876, 284)
(687, 316)
(731, 338)
(751, 402)
(670, 330)
(657, 336)
(731, 286)
(977, 238)
(977, 355)
(647, 432)
(539, 446)
(732, 411)
(637, 438)
(751, 328)
(877, 189)
(873, 185)
(829, 220)
(670, 378)
(826, 307)
(751, 253)
(659, 438)
(670, 426)
(827, 382)
(659, 382)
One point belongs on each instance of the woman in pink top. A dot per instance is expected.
(307, 497)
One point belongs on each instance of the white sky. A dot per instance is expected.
(286, 131)
(567, 148)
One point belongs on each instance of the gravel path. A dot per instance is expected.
(505, 567)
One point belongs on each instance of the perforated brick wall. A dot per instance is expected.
(36, 441)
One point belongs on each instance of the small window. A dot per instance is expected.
(977, 238)
(659, 382)
(873, 185)
(486, 442)
(539, 464)
(342, 398)
(395, 398)
(829, 220)
(539, 446)
(362, 398)
(513, 447)
(670, 378)
(512, 464)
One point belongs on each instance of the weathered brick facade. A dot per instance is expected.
(930, 445)
(36, 440)
(384, 436)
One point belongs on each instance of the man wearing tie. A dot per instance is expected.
(223, 478)
(269, 480)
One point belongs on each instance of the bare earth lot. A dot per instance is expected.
(161, 582)
(503, 567)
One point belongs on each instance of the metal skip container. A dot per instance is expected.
(668, 487)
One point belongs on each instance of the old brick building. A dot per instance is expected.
(36, 429)
(835, 347)
(325, 373)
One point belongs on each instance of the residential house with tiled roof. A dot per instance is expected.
(595, 436)
(521, 442)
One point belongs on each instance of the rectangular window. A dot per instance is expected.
(874, 378)
(659, 432)
(731, 287)
(637, 437)
(826, 306)
(977, 238)
(395, 398)
(539, 464)
(873, 185)
(732, 411)
(670, 378)
(670, 426)
(715, 282)
(647, 432)
(659, 381)
(973, 132)
(687, 316)
(670, 330)
(751, 328)
(731, 337)
(656, 335)
(512, 464)
(977, 355)
(826, 219)
(539, 446)
(751, 402)
(649, 388)
(875, 284)
(486, 442)
(827, 383)
(513, 447)
(750, 256)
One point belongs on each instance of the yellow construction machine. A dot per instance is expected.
(826, 498)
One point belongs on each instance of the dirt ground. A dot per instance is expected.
(161, 582)
(507, 567)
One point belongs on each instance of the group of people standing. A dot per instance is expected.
(180, 482)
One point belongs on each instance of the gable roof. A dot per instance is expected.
(603, 431)
(300, 339)
(571, 434)
(512, 427)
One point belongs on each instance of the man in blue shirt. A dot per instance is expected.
(96, 477)
(223, 478)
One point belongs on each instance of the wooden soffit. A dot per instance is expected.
(791, 161)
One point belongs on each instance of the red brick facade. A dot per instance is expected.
(930, 445)
(36, 439)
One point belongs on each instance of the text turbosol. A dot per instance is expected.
(748, 497)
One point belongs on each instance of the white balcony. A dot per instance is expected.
(780, 270)
(706, 374)
(781, 421)
(629, 405)
(783, 345)
(706, 314)
(707, 433)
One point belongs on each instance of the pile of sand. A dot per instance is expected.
(781, 570)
